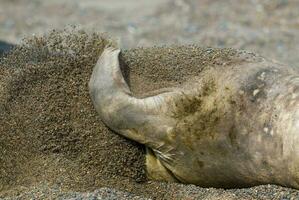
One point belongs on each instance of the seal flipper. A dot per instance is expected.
(156, 170)
(129, 116)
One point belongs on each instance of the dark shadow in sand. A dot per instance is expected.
(5, 47)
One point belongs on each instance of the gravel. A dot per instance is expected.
(44, 191)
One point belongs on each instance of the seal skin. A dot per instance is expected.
(233, 126)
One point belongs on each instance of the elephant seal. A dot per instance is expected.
(234, 125)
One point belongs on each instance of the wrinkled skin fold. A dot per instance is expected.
(233, 126)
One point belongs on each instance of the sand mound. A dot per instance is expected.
(49, 131)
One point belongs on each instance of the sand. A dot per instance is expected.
(51, 137)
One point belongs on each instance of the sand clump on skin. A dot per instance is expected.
(51, 133)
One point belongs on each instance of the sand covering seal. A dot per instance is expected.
(49, 130)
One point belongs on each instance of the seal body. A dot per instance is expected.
(231, 126)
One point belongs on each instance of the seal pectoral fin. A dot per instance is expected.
(118, 109)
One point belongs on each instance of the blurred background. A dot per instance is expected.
(268, 27)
